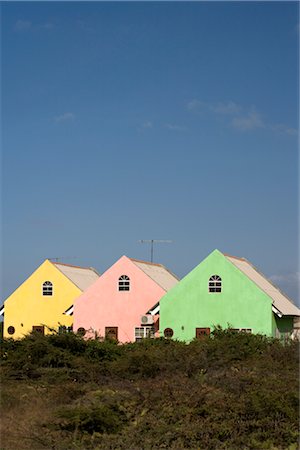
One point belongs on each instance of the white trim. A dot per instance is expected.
(69, 311)
(124, 282)
(144, 329)
(2, 311)
(241, 330)
(212, 284)
(276, 311)
(155, 310)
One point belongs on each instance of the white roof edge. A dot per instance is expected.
(69, 311)
(154, 311)
(276, 311)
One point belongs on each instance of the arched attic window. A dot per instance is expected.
(215, 284)
(124, 283)
(47, 288)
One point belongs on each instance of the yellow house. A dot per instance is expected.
(40, 302)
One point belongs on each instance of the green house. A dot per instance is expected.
(227, 291)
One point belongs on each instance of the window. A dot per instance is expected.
(168, 332)
(124, 283)
(143, 332)
(240, 330)
(11, 330)
(202, 332)
(81, 331)
(215, 284)
(111, 333)
(38, 329)
(47, 288)
(62, 329)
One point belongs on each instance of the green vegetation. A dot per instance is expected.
(230, 391)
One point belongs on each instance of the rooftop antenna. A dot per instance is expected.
(152, 242)
(61, 258)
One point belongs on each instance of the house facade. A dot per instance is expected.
(230, 292)
(39, 303)
(114, 305)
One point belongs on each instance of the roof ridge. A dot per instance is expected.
(157, 265)
(241, 258)
(71, 265)
(146, 262)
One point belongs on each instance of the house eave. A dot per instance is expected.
(276, 311)
(154, 310)
(69, 311)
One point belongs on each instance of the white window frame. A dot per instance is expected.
(141, 332)
(242, 330)
(124, 282)
(47, 286)
(215, 282)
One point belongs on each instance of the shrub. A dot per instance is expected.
(230, 391)
(102, 351)
(93, 419)
(71, 342)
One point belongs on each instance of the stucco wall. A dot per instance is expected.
(26, 306)
(189, 305)
(103, 305)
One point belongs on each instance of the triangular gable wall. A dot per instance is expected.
(241, 303)
(27, 306)
(103, 305)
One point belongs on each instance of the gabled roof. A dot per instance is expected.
(280, 301)
(82, 277)
(159, 273)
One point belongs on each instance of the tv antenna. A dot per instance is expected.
(152, 242)
(61, 258)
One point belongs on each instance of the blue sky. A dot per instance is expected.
(127, 121)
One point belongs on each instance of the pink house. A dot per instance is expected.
(113, 306)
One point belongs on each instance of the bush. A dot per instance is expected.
(94, 419)
(230, 391)
(102, 351)
(71, 342)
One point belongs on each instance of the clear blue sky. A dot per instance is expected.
(127, 121)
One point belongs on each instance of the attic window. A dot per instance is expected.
(124, 283)
(215, 284)
(47, 288)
